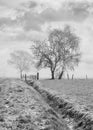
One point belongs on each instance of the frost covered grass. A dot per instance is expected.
(77, 115)
(23, 108)
(78, 91)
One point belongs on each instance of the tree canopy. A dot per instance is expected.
(59, 53)
(21, 60)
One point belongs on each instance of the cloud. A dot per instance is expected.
(7, 22)
(10, 16)
(69, 11)
(31, 21)
(30, 36)
(6, 12)
(75, 11)
(12, 3)
(28, 16)
(30, 4)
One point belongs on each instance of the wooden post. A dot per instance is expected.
(86, 76)
(25, 77)
(72, 76)
(68, 76)
(37, 76)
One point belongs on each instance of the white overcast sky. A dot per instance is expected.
(24, 20)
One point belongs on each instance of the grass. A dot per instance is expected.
(79, 91)
(22, 108)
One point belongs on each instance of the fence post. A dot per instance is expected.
(25, 77)
(72, 76)
(86, 76)
(68, 76)
(37, 76)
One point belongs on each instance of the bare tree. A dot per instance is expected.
(59, 53)
(68, 49)
(45, 55)
(21, 60)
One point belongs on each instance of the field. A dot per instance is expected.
(31, 107)
(78, 91)
(23, 108)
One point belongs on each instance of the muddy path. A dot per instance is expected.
(22, 107)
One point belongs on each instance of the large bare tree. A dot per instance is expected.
(59, 53)
(21, 60)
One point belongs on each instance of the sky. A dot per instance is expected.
(22, 21)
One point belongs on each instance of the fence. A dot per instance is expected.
(30, 77)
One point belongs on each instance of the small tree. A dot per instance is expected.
(59, 53)
(21, 61)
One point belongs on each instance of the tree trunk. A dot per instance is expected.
(61, 75)
(21, 75)
(37, 76)
(52, 75)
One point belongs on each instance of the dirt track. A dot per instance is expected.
(23, 108)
